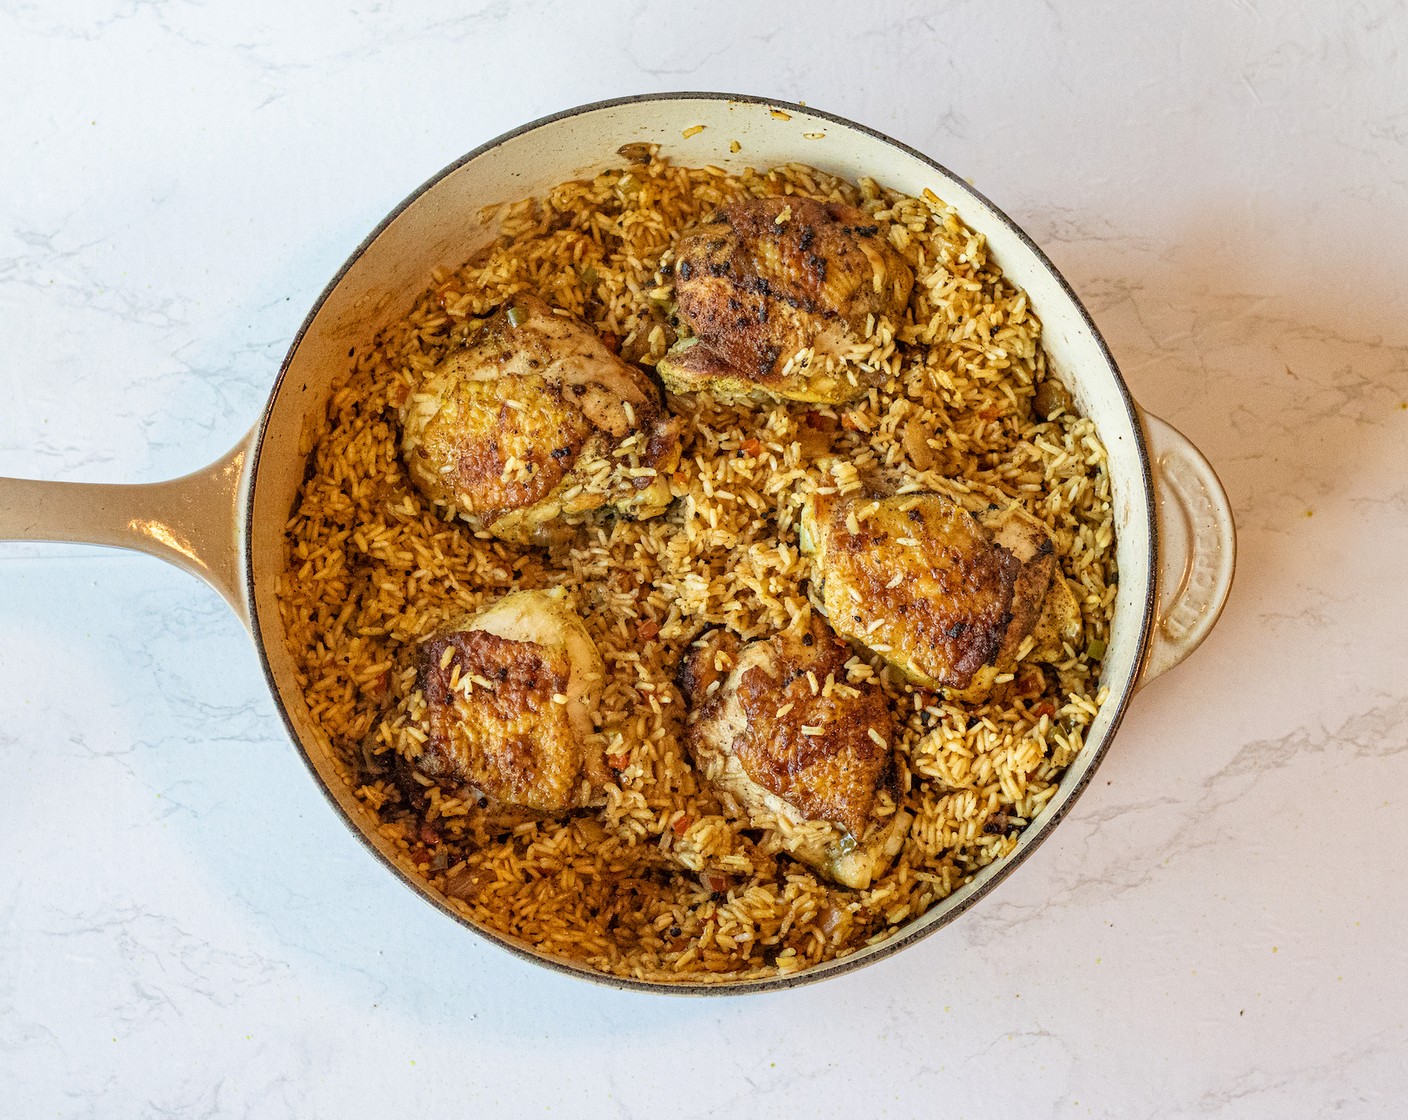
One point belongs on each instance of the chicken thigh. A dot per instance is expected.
(945, 597)
(507, 705)
(535, 418)
(775, 727)
(777, 292)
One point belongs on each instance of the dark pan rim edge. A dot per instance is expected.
(920, 927)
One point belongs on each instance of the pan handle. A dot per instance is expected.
(193, 522)
(1197, 547)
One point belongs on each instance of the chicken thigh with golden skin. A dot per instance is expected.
(945, 597)
(765, 279)
(506, 706)
(776, 728)
(533, 418)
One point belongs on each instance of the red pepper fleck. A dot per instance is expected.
(751, 447)
(647, 629)
(681, 826)
(1045, 708)
(618, 761)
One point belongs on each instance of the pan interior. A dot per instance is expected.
(441, 225)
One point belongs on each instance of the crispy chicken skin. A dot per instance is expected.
(945, 597)
(506, 710)
(775, 727)
(532, 407)
(765, 278)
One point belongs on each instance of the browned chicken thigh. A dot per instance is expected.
(945, 597)
(535, 418)
(506, 706)
(777, 729)
(778, 292)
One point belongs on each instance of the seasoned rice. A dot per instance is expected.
(660, 883)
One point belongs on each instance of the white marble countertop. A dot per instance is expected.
(186, 929)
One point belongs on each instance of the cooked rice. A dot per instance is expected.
(661, 884)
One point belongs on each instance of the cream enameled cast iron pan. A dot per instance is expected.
(1175, 539)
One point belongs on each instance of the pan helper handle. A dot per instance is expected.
(1197, 547)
